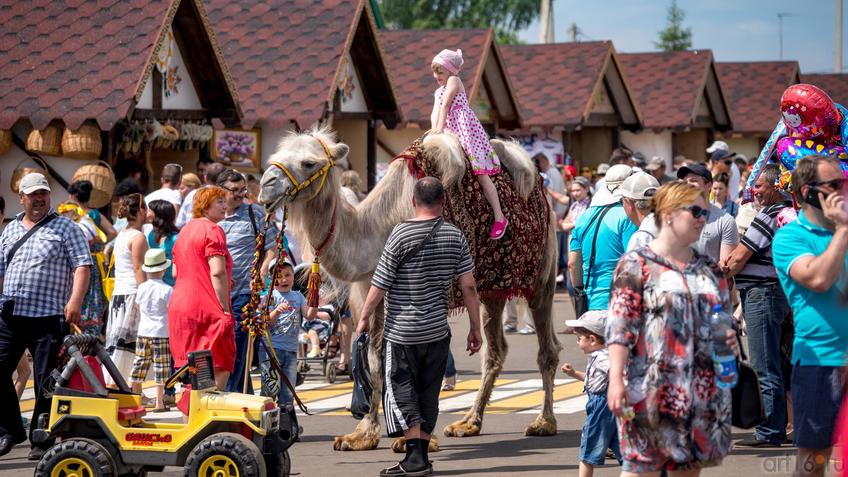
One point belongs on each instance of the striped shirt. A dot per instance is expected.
(417, 294)
(759, 270)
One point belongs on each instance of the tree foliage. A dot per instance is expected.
(507, 17)
(674, 37)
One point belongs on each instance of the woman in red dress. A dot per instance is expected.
(200, 315)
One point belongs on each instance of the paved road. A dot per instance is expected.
(500, 450)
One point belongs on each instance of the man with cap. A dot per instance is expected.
(598, 178)
(599, 239)
(44, 268)
(720, 235)
(636, 195)
(656, 168)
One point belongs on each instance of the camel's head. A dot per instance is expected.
(302, 168)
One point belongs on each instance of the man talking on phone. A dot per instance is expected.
(414, 275)
(810, 257)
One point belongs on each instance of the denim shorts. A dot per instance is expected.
(600, 432)
(816, 397)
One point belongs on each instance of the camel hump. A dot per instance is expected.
(515, 159)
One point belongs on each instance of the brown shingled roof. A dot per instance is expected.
(555, 82)
(409, 54)
(834, 84)
(753, 91)
(669, 85)
(286, 55)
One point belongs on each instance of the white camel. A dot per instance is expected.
(304, 176)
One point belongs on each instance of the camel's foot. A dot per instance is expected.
(542, 427)
(463, 428)
(356, 441)
(399, 445)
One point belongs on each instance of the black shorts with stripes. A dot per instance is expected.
(413, 378)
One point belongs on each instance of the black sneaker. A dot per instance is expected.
(754, 442)
(35, 453)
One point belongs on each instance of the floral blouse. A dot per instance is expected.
(682, 419)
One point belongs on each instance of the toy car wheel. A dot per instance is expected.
(225, 455)
(76, 457)
(330, 373)
(278, 466)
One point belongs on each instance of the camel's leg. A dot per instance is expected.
(494, 354)
(541, 306)
(399, 445)
(366, 436)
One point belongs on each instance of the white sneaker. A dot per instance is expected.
(526, 331)
(510, 328)
(313, 353)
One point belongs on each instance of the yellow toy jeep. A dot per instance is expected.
(100, 432)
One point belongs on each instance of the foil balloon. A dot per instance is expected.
(809, 113)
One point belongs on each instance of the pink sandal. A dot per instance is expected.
(498, 229)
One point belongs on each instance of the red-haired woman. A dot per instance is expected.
(199, 316)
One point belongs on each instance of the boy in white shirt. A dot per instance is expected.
(152, 344)
(600, 431)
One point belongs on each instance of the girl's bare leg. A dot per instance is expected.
(24, 373)
(491, 195)
(221, 378)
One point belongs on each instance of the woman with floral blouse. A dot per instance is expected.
(671, 414)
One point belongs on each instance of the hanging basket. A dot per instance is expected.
(21, 170)
(5, 141)
(102, 181)
(84, 143)
(45, 141)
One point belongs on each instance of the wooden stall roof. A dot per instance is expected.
(753, 90)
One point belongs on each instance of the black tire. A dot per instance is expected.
(228, 452)
(84, 457)
(279, 465)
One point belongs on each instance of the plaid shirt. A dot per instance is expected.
(40, 276)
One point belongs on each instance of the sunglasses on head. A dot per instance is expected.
(697, 211)
(835, 184)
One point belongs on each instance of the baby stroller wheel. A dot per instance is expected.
(330, 372)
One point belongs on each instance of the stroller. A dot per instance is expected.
(329, 337)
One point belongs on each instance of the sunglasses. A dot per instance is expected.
(728, 162)
(835, 184)
(697, 211)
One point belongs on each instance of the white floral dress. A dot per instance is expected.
(463, 123)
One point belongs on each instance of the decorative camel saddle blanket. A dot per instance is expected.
(504, 268)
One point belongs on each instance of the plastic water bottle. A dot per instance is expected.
(724, 359)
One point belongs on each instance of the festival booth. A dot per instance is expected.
(753, 92)
(573, 94)
(87, 88)
(681, 100)
(409, 54)
(300, 63)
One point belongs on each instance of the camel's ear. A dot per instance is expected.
(340, 151)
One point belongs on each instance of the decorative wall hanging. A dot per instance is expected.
(345, 83)
(237, 148)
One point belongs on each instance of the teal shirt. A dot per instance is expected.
(614, 234)
(821, 319)
(168, 246)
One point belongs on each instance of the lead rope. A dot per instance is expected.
(256, 319)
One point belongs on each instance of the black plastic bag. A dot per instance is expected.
(360, 402)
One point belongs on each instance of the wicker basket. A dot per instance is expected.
(46, 141)
(102, 180)
(84, 143)
(5, 141)
(21, 170)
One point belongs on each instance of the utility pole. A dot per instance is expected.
(837, 64)
(572, 32)
(546, 22)
(780, 17)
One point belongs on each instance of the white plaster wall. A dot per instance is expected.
(650, 144)
(271, 138)
(749, 146)
(395, 139)
(187, 96)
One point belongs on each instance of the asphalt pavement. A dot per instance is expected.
(502, 449)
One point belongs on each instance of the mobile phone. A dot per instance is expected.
(812, 197)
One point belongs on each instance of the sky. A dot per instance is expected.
(736, 30)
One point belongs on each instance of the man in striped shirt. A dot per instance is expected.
(764, 307)
(419, 262)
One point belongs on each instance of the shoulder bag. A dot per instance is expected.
(7, 309)
(421, 244)
(109, 278)
(580, 299)
(747, 409)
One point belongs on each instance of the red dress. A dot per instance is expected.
(196, 320)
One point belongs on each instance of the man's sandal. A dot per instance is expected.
(397, 470)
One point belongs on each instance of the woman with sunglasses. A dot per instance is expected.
(671, 414)
(128, 253)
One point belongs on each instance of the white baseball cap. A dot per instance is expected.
(716, 145)
(32, 182)
(638, 186)
(594, 321)
(615, 176)
(655, 163)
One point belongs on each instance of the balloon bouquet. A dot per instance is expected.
(811, 123)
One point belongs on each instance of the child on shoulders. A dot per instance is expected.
(600, 431)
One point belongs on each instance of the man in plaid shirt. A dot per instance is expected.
(44, 282)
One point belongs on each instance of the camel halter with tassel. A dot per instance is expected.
(314, 282)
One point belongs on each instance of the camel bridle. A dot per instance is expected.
(319, 174)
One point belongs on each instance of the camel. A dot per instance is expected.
(306, 181)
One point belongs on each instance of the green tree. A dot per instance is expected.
(507, 17)
(674, 37)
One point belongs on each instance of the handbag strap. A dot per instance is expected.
(30, 233)
(421, 244)
(600, 216)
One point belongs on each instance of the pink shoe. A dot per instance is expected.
(498, 229)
